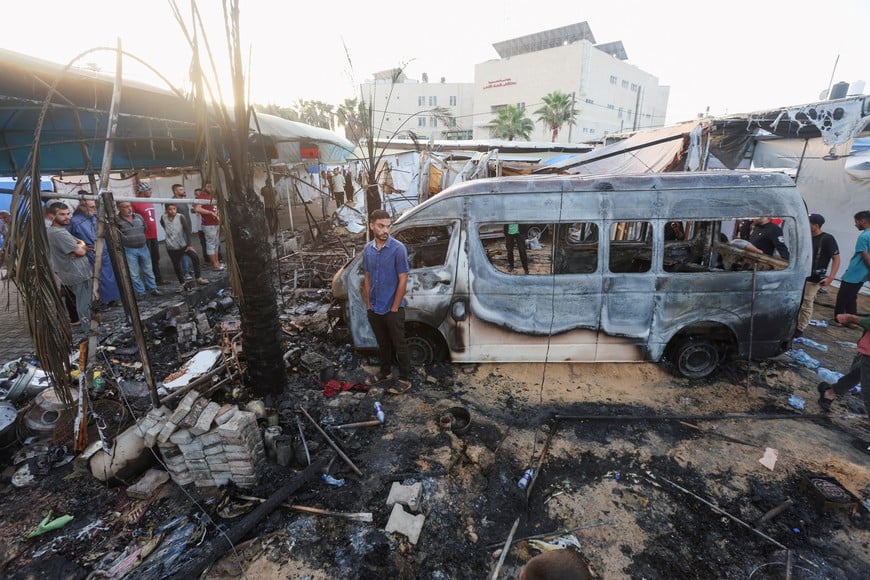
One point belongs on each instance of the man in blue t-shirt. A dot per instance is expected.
(859, 267)
(385, 264)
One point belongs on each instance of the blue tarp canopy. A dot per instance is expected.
(156, 128)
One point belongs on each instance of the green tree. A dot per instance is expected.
(278, 111)
(511, 123)
(316, 114)
(558, 109)
(354, 115)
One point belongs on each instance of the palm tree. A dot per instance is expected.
(511, 123)
(223, 139)
(316, 114)
(353, 115)
(278, 111)
(558, 110)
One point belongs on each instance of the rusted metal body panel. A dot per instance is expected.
(483, 313)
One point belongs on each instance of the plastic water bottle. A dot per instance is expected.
(803, 358)
(329, 480)
(828, 375)
(527, 476)
(797, 402)
(812, 343)
(99, 382)
(819, 323)
(379, 412)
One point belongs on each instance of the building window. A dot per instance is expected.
(453, 101)
(590, 101)
(633, 87)
(421, 101)
(521, 106)
(433, 121)
(620, 113)
(421, 121)
(613, 79)
(629, 114)
(433, 101)
(611, 107)
(625, 84)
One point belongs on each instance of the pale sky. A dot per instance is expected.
(733, 57)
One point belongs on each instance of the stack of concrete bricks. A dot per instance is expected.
(206, 443)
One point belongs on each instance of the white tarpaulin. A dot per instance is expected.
(824, 183)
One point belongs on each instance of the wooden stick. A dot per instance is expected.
(776, 511)
(357, 516)
(372, 423)
(505, 550)
(331, 442)
(540, 462)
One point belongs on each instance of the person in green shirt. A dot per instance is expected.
(513, 238)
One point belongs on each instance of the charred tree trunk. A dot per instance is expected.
(258, 308)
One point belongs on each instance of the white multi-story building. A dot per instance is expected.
(424, 110)
(610, 95)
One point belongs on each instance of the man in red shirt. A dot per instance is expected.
(211, 224)
(149, 216)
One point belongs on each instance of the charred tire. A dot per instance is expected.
(695, 357)
(425, 346)
(535, 231)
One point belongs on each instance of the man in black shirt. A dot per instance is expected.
(766, 236)
(825, 250)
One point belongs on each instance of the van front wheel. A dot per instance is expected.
(424, 345)
(695, 357)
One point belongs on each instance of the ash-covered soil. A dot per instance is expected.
(630, 462)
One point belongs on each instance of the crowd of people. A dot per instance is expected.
(72, 239)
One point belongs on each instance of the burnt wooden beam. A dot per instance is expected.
(223, 543)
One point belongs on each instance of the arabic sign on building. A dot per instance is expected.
(499, 83)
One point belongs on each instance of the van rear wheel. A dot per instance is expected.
(695, 357)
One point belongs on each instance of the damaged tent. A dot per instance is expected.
(823, 146)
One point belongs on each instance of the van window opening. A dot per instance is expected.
(689, 246)
(427, 246)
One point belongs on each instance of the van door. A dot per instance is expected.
(432, 256)
(628, 291)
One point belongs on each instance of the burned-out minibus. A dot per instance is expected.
(644, 267)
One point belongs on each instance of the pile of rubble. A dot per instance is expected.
(200, 442)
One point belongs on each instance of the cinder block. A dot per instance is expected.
(404, 523)
(210, 438)
(184, 407)
(196, 464)
(206, 418)
(152, 433)
(192, 452)
(168, 429)
(181, 437)
(213, 450)
(195, 411)
(407, 495)
(226, 413)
